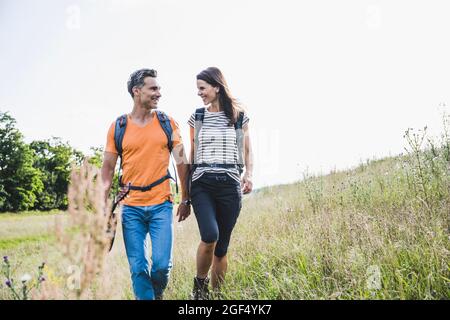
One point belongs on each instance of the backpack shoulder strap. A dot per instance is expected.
(164, 121)
(119, 132)
(240, 140)
(240, 120)
(199, 116)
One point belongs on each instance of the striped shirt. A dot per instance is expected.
(217, 144)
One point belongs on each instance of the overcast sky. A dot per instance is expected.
(327, 84)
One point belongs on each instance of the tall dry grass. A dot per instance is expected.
(82, 238)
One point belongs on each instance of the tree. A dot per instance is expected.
(20, 182)
(97, 158)
(54, 159)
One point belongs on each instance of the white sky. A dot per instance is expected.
(327, 83)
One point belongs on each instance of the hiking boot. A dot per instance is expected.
(200, 291)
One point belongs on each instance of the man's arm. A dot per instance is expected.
(108, 166)
(183, 172)
(183, 169)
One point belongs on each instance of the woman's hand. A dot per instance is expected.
(246, 183)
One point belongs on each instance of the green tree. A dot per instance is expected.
(20, 182)
(54, 159)
(97, 158)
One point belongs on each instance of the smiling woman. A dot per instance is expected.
(220, 150)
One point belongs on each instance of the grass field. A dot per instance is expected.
(377, 231)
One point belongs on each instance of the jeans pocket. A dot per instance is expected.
(233, 182)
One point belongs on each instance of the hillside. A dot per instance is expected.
(378, 231)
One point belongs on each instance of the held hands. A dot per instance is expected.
(246, 183)
(184, 210)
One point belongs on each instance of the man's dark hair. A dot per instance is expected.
(137, 79)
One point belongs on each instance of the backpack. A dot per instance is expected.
(119, 133)
(199, 117)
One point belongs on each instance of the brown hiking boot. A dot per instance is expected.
(200, 291)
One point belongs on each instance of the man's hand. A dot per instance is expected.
(184, 210)
(123, 192)
(246, 184)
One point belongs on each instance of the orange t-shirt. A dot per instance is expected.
(145, 159)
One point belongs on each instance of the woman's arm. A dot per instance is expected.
(248, 160)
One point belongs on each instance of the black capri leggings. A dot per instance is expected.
(217, 201)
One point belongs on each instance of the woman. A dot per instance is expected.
(219, 150)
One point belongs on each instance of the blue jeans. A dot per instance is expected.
(137, 222)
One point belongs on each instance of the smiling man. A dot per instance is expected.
(144, 140)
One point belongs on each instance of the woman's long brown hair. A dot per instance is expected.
(231, 106)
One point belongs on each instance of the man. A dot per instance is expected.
(145, 161)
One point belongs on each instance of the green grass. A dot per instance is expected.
(17, 229)
(14, 242)
(377, 231)
(23, 214)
